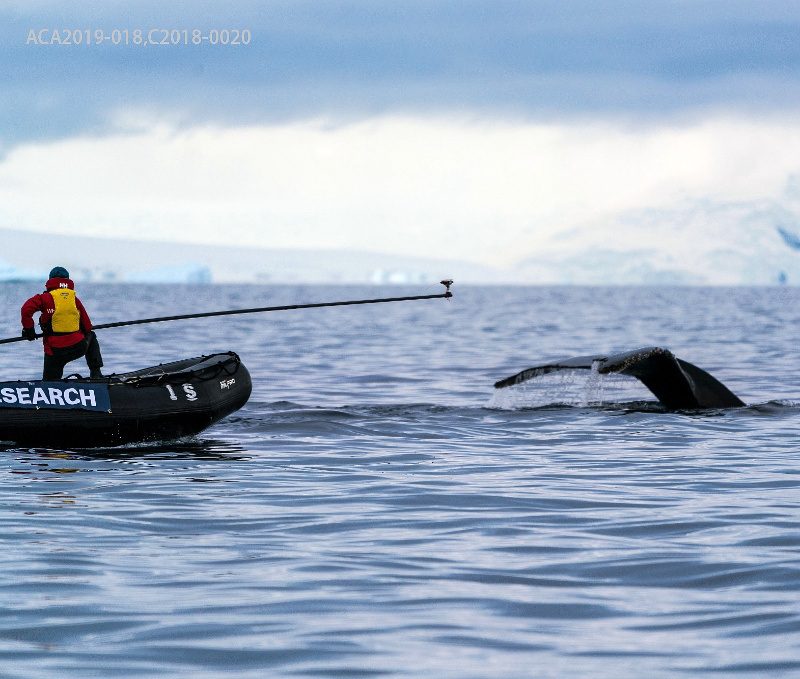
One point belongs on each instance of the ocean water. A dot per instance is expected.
(376, 511)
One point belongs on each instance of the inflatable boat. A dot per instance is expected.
(162, 402)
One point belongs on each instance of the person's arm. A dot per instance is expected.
(86, 322)
(30, 307)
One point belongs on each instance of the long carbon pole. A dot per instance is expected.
(287, 307)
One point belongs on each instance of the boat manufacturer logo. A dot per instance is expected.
(54, 395)
(227, 384)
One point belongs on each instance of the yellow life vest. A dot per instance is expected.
(66, 317)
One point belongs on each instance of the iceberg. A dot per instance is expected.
(181, 273)
(9, 273)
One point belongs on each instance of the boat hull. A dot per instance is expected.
(163, 402)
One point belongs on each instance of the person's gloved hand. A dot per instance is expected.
(29, 334)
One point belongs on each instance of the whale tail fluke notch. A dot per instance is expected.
(677, 384)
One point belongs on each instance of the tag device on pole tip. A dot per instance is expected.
(447, 282)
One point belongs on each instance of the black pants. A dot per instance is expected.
(89, 347)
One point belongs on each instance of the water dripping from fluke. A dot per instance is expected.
(677, 384)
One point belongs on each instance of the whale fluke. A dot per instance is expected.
(677, 384)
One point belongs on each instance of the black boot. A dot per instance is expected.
(94, 360)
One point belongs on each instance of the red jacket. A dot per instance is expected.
(44, 303)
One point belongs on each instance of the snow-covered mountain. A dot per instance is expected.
(30, 255)
(697, 243)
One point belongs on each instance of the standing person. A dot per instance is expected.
(65, 324)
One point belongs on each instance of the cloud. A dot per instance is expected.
(435, 187)
(351, 60)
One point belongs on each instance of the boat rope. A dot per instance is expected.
(286, 307)
(228, 368)
(161, 374)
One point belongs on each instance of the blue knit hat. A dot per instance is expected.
(59, 272)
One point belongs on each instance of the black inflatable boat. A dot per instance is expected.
(166, 401)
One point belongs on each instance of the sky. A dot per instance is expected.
(489, 131)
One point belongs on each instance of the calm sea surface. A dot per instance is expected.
(375, 511)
